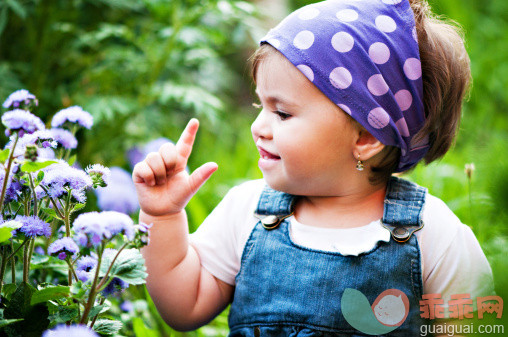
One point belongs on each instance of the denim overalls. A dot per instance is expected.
(284, 289)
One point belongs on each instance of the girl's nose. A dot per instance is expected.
(260, 128)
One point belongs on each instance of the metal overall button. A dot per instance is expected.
(270, 221)
(402, 233)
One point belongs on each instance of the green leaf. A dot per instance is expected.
(99, 309)
(72, 159)
(8, 290)
(39, 259)
(35, 317)
(4, 322)
(40, 176)
(140, 329)
(107, 327)
(30, 166)
(5, 234)
(129, 267)
(49, 293)
(77, 207)
(51, 212)
(17, 8)
(64, 314)
(6, 230)
(4, 154)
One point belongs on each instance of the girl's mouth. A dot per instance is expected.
(267, 155)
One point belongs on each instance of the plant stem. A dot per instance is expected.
(104, 279)
(7, 171)
(71, 271)
(13, 264)
(2, 268)
(14, 253)
(93, 290)
(33, 192)
(57, 210)
(95, 317)
(25, 263)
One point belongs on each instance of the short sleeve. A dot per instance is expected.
(219, 240)
(453, 258)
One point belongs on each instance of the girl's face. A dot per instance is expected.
(306, 142)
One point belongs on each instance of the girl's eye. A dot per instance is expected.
(282, 115)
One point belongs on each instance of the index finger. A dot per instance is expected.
(186, 141)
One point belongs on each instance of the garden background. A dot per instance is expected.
(143, 68)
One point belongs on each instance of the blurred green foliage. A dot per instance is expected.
(144, 68)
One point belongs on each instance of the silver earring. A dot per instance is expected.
(359, 164)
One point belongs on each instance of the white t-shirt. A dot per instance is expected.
(452, 259)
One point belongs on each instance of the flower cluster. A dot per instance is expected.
(93, 227)
(72, 330)
(20, 98)
(21, 121)
(60, 178)
(63, 248)
(99, 174)
(74, 114)
(84, 267)
(33, 226)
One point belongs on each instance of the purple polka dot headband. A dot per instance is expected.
(363, 55)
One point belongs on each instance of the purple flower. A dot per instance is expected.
(14, 186)
(83, 276)
(53, 137)
(99, 174)
(72, 330)
(21, 121)
(33, 226)
(135, 154)
(127, 306)
(63, 247)
(93, 227)
(73, 114)
(19, 98)
(60, 177)
(86, 263)
(120, 194)
(116, 285)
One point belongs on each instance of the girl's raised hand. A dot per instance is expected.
(163, 185)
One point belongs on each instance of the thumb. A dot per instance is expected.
(201, 175)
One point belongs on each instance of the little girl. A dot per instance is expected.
(350, 92)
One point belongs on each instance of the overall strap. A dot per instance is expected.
(273, 207)
(403, 208)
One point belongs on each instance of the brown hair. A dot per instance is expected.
(446, 78)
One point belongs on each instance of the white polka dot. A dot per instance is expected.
(347, 15)
(308, 13)
(413, 68)
(377, 85)
(402, 127)
(341, 78)
(378, 118)
(303, 40)
(342, 42)
(379, 53)
(404, 99)
(385, 24)
(274, 42)
(403, 152)
(392, 2)
(307, 71)
(345, 108)
(415, 36)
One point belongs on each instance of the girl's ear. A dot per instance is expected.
(366, 146)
